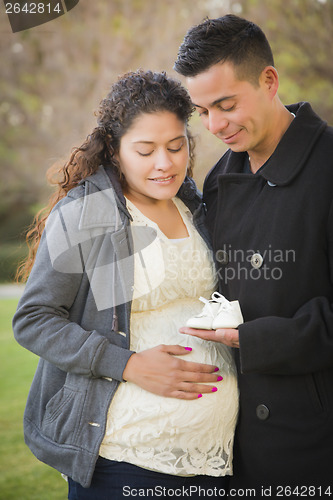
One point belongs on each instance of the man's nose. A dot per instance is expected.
(216, 123)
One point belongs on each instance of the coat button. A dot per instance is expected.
(262, 412)
(257, 260)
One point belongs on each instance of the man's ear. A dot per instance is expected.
(270, 79)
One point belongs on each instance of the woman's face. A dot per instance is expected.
(153, 156)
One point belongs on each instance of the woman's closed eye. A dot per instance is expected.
(145, 154)
(177, 145)
(170, 149)
(175, 150)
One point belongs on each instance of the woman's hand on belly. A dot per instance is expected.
(159, 371)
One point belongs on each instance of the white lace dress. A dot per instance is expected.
(170, 435)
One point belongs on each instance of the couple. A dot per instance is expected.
(125, 397)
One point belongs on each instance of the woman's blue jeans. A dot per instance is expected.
(120, 480)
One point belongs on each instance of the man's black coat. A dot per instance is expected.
(273, 241)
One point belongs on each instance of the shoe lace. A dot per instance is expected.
(207, 308)
(225, 304)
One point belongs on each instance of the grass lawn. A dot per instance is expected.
(22, 476)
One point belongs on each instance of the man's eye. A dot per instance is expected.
(203, 113)
(231, 108)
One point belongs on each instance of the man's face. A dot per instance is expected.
(237, 112)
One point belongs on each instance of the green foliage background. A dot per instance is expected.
(52, 78)
(22, 477)
(54, 75)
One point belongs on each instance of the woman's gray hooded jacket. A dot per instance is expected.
(75, 315)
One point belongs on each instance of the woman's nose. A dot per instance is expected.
(163, 160)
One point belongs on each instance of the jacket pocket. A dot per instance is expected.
(62, 416)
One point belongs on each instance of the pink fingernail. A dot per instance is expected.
(216, 369)
(188, 348)
(199, 395)
(214, 389)
(219, 378)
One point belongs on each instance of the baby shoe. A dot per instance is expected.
(229, 314)
(204, 320)
(217, 313)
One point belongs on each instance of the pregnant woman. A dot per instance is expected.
(121, 401)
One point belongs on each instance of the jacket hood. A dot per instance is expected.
(106, 183)
(102, 194)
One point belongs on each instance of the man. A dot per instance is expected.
(270, 215)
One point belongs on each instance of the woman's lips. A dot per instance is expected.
(163, 180)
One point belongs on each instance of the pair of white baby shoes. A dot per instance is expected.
(217, 313)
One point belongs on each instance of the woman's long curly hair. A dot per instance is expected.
(133, 94)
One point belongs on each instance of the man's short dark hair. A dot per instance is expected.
(225, 39)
